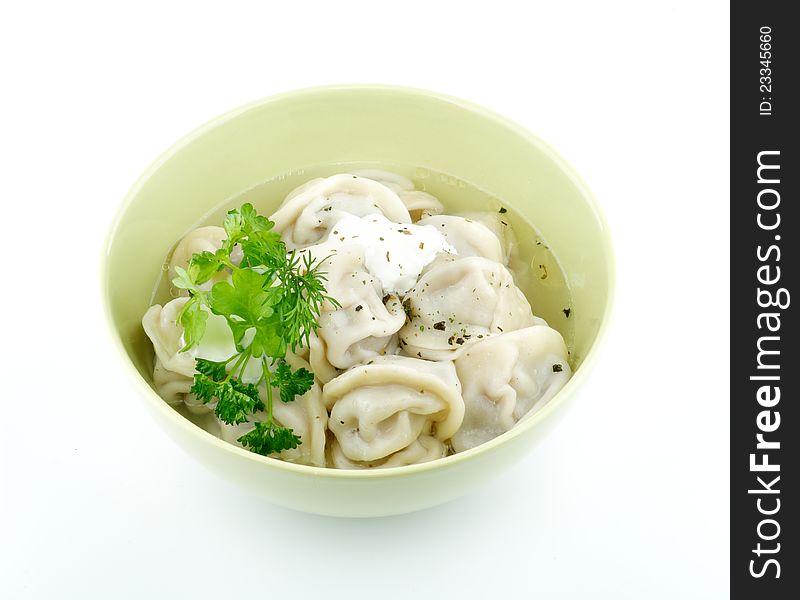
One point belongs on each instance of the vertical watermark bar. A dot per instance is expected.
(765, 259)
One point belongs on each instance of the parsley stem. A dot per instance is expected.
(268, 381)
(243, 357)
(231, 358)
(229, 264)
(247, 355)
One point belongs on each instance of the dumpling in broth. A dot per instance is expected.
(202, 239)
(498, 225)
(172, 387)
(419, 204)
(506, 377)
(161, 326)
(468, 237)
(458, 302)
(365, 323)
(394, 181)
(306, 217)
(424, 449)
(385, 406)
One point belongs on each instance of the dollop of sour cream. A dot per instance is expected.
(394, 253)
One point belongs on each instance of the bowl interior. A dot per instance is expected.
(281, 140)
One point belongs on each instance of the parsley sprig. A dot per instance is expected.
(271, 304)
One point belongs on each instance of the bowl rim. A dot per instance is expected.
(521, 428)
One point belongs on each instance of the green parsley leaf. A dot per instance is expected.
(263, 248)
(268, 438)
(234, 226)
(205, 265)
(214, 370)
(245, 305)
(253, 222)
(292, 383)
(236, 399)
(193, 320)
(185, 280)
(235, 403)
(269, 338)
(204, 388)
(250, 390)
(246, 299)
(245, 223)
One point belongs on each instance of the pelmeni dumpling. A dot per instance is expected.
(468, 237)
(419, 204)
(365, 323)
(316, 354)
(424, 449)
(394, 181)
(172, 387)
(301, 188)
(174, 370)
(497, 223)
(505, 377)
(307, 217)
(383, 407)
(161, 326)
(458, 302)
(305, 416)
(202, 239)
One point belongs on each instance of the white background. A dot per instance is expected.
(629, 496)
